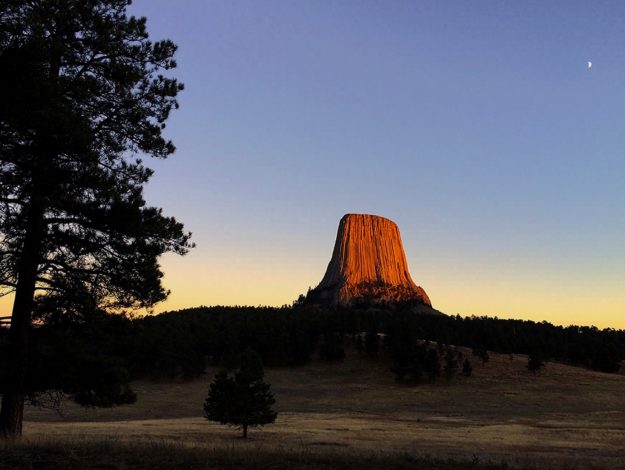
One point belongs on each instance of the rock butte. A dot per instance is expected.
(368, 265)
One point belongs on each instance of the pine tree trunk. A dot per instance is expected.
(245, 431)
(12, 412)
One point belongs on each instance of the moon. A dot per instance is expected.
(589, 65)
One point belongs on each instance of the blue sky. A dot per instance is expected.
(476, 126)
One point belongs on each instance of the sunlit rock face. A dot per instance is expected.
(368, 265)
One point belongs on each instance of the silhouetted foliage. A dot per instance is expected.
(432, 364)
(181, 344)
(372, 341)
(83, 97)
(331, 347)
(242, 400)
(467, 368)
(481, 352)
(412, 358)
(360, 343)
(407, 355)
(290, 336)
(452, 363)
(82, 360)
(535, 362)
(606, 359)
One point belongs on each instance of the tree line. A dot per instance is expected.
(94, 358)
(291, 336)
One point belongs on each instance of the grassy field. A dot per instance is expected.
(561, 417)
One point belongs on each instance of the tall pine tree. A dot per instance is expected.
(82, 98)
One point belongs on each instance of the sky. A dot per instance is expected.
(476, 126)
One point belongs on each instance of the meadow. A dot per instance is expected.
(352, 414)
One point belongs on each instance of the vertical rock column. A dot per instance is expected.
(368, 264)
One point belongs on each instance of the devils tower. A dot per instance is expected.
(368, 265)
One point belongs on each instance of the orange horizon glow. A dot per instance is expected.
(514, 291)
(520, 295)
(552, 310)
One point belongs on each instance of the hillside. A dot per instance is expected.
(563, 415)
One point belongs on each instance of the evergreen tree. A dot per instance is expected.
(451, 363)
(243, 400)
(535, 362)
(407, 356)
(432, 365)
(481, 352)
(360, 344)
(331, 347)
(606, 359)
(467, 368)
(82, 99)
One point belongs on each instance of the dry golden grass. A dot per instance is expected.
(85, 453)
(562, 416)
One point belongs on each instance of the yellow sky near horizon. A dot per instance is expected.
(521, 297)
(511, 291)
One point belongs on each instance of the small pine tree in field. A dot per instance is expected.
(482, 353)
(242, 400)
(467, 368)
(535, 362)
(451, 363)
(360, 344)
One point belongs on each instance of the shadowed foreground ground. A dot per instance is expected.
(563, 416)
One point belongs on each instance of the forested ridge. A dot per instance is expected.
(94, 359)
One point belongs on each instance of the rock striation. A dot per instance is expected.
(368, 265)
